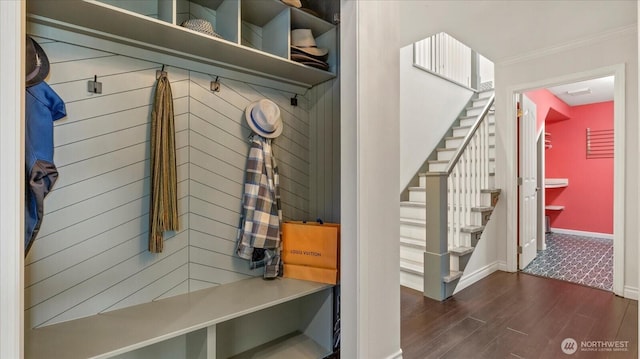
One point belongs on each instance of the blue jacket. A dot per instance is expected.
(42, 107)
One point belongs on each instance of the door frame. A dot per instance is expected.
(12, 40)
(618, 71)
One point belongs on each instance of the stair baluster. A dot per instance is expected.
(456, 209)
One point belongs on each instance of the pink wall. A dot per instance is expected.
(546, 101)
(588, 199)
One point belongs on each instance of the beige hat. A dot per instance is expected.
(200, 25)
(263, 117)
(302, 39)
(294, 3)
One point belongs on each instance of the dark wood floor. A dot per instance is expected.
(515, 315)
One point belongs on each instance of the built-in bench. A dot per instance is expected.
(252, 318)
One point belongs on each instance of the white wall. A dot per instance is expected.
(486, 69)
(428, 107)
(370, 205)
(617, 48)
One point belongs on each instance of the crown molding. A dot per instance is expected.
(614, 33)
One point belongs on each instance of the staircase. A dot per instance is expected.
(451, 205)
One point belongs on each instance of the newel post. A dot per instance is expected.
(436, 255)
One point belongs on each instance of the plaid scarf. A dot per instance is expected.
(258, 237)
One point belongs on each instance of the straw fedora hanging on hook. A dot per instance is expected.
(263, 117)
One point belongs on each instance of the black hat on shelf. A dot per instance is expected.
(309, 61)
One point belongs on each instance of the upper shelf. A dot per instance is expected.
(556, 182)
(162, 33)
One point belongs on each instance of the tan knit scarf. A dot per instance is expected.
(163, 208)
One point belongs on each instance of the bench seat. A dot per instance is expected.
(124, 330)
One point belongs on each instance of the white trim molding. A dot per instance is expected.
(471, 278)
(582, 233)
(397, 355)
(12, 30)
(502, 266)
(631, 292)
(603, 36)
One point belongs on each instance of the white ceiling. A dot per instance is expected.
(503, 30)
(507, 29)
(599, 90)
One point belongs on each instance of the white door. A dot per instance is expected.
(529, 183)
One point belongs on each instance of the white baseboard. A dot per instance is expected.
(397, 355)
(582, 233)
(411, 280)
(469, 279)
(630, 292)
(502, 265)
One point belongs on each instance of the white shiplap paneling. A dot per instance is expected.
(218, 148)
(324, 118)
(91, 254)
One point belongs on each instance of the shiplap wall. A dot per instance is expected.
(218, 148)
(324, 121)
(91, 254)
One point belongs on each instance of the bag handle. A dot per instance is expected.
(319, 220)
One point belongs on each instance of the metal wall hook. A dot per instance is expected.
(294, 100)
(94, 86)
(160, 73)
(215, 85)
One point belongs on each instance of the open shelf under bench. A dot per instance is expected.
(248, 316)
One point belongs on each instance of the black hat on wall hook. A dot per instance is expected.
(36, 63)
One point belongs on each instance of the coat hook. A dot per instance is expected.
(161, 72)
(94, 86)
(294, 100)
(215, 85)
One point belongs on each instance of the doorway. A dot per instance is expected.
(575, 155)
(615, 237)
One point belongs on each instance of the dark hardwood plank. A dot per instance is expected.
(496, 339)
(545, 332)
(508, 315)
(502, 345)
(629, 328)
(450, 338)
(442, 316)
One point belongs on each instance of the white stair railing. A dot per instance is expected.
(443, 55)
(452, 194)
(468, 176)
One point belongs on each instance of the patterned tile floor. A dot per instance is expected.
(577, 259)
